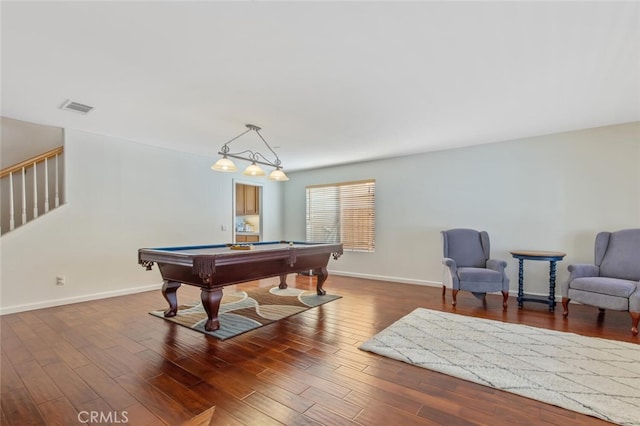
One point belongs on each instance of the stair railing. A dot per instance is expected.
(28, 198)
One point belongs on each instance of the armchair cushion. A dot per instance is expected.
(604, 285)
(480, 275)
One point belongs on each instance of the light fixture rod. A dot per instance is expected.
(251, 160)
(224, 151)
(277, 162)
(224, 164)
(241, 134)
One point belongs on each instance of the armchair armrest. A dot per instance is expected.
(578, 270)
(499, 265)
(496, 264)
(450, 275)
(583, 270)
(451, 264)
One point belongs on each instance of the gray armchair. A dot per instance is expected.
(468, 266)
(613, 281)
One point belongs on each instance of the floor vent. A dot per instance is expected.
(76, 107)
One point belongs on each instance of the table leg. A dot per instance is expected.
(283, 282)
(169, 289)
(211, 302)
(552, 285)
(520, 282)
(322, 277)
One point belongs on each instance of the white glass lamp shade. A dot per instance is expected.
(224, 165)
(278, 175)
(253, 170)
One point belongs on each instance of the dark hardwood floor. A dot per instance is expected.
(111, 357)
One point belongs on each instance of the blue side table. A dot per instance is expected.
(550, 256)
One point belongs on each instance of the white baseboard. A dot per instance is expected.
(77, 299)
(387, 278)
(513, 293)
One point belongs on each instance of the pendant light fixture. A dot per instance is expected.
(224, 164)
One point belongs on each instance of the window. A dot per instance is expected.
(342, 213)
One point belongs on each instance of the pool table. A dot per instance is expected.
(211, 267)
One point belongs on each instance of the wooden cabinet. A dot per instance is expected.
(251, 199)
(247, 199)
(247, 203)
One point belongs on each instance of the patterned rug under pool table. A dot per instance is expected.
(593, 376)
(247, 310)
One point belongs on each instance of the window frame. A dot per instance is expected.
(342, 212)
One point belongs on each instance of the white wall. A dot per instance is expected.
(551, 192)
(22, 140)
(121, 196)
(548, 193)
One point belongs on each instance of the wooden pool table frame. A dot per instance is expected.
(224, 266)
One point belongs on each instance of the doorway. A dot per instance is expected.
(248, 207)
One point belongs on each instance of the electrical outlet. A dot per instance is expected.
(60, 280)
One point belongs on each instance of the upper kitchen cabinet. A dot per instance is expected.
(247, 199)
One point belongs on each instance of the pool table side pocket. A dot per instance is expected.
(204, 266)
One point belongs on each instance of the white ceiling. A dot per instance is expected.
(328, 82)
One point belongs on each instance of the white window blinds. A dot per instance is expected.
(342, 213)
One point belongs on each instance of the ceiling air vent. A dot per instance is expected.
(76, 107)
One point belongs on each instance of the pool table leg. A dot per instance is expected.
(169, 289)
(211, 302)
(322, 277)
(283, 282)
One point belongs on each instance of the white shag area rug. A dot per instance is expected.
(597, 377)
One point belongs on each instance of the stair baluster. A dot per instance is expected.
(24, 198)
(46, 185)
(12, 221)
(29, 194)
(57, 196)
(35, 191)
